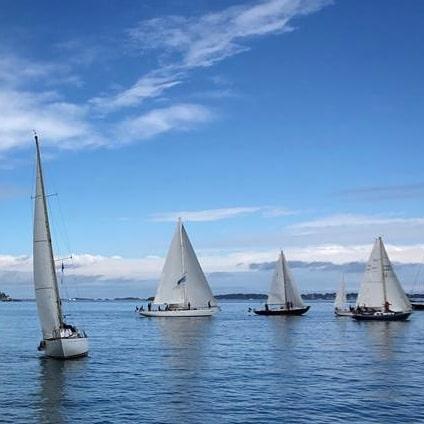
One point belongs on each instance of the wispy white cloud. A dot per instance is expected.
(376, 193)
(204, 215)
(62, 124)
(220, 213)
(351, 220)
(27, 100)
(204, 40)
(181, 117)
(147, 87)
(19, 72)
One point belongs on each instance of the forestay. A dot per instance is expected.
(182, 280)
(45, 281)
(380, 283)
(283, 287)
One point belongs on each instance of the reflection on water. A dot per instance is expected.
(182, 341)
(384, 338)
(54, 377)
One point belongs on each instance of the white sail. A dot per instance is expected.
(182, 280)
(283, 288)
(380, 283)
(341, 297)
(45, 281)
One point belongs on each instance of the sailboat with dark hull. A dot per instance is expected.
(381, 297)
(283, 298)
(60, 340)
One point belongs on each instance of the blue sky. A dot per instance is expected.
(267, 124)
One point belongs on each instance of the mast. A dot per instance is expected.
(47, 226)
(180, 228)
(382, 272)
(284, 277)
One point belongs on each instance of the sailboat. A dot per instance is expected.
(283, 298)
(183, 290)
(381, 297)
(60, 340)
(341, 307)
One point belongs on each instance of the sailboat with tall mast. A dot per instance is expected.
(341, 307)
(183, 289)
(60, 340)
(283, 297)
(381, 297)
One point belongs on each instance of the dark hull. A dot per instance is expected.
(418, 306)
(299, 311)
(397, 316)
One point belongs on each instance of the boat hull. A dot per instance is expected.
(181, 313)
(343, 313)
(274, 312)
(396, 316)
(418, 306)
(66, 348)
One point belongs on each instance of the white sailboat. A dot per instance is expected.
(183, 290)
(341, 307)
(381, 296)
(60, 340)
(283, 297)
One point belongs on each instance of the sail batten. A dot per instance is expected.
(380, 285)
(182, 281)
(45, 280)
(283, 289)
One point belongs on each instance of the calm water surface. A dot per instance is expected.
(232, 368)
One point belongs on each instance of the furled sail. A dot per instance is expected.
(283, 288)
(380, 283)
(182, 280)
(341, 297)
(45, 280)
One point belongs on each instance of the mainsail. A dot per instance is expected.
(380, 283)
(182, 280)
(283, 288)
(45, 280)
(341, 297)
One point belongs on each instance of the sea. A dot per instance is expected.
(231, 368)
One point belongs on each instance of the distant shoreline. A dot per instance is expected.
(329, 296)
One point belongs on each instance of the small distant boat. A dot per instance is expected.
(381, 297)
(341, 307)
(283, 298)
(60, 340)
(183, 290)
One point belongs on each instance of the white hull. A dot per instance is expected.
(207, 312)
(66, 348)
(343, 313)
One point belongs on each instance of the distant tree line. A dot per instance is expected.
(4, 297)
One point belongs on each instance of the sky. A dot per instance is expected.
(265, 125)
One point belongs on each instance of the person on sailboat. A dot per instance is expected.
(387, 306)
(188, 305)
(209, 304)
